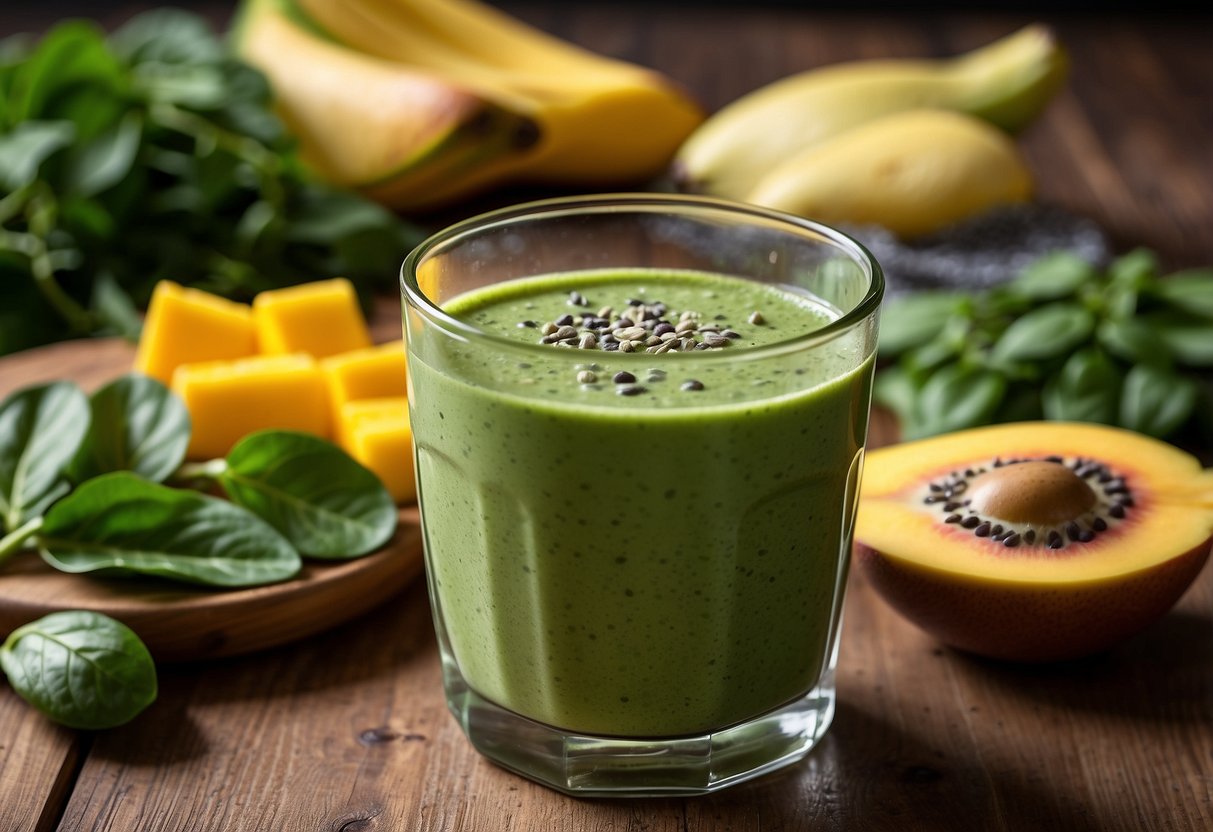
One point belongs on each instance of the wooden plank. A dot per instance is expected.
(38, 762)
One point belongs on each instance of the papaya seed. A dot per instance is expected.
(1067, 500)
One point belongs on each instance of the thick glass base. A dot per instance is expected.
(592, 766)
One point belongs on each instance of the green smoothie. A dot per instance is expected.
(640, 540)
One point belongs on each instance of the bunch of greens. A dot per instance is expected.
(81, 481)
(153, 154)
(1063, 341)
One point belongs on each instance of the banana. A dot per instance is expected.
(598, 122)
(1006, 83)
(402, 125)
(912, 172)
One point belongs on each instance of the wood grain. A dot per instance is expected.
(348, 731)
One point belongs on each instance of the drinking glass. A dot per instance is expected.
(639, 594)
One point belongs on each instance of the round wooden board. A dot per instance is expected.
(178, 622)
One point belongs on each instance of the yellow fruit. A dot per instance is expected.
(185, 326)
(1034, 541)
(376, 432)
(912, 172)
(228, 400)
(1005, 83)
(371, 373)
(321, 318)
(584, 120)
(361, 120)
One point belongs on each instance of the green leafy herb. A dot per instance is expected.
(81, 669)
(137, 425)
(1064, 340)
(152, 154)
(40, 430)
(120, 523)
(322, 500)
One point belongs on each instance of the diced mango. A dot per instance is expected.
(187, 326)
(372, 373)
(229, 399)
(376, 432)
(320, 318)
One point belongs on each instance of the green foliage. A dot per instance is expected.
(1064, 341)
(320, 498)
(81, 669)
(153, 154)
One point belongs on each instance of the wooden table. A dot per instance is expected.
(347, 732)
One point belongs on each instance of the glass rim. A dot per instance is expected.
(637, 203)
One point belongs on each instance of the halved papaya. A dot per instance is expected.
(1037, 541)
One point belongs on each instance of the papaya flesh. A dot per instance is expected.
(1033, 542)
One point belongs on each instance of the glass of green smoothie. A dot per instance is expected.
(639, 424)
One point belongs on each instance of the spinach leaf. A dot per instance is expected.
(81, 669)
(40, 429)
(323, 501)
(122, 524)
(1156, 401)
(1086, 390)
(1045, 333)
(138, 425)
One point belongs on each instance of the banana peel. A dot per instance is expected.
(1006, 83)
(400, 125)
(912, 172)
(501, 102)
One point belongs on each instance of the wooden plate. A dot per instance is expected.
(175, 621)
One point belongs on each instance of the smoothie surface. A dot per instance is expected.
(732, 314)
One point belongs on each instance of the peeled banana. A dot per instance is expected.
(912, 172)
(1005, 83)
(549, 112)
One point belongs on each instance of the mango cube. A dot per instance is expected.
(320, 318)
(229, 399)
(372, 373)
(187, 326)
(376, 432)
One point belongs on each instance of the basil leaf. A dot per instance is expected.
(40, 429)
(106, 160)
(122, 524)
(114, 308)
(81, 669)
(24, 148)
(1135, 269)
(1156, 401)
(1086, 390)
(1134, 341)
(322, 500)
(1054, 276)
(1021, 403)
(1046, 332)
(913, 320)
(957, 397)
(1191, 291)
(138, 425)
(1189, 338)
